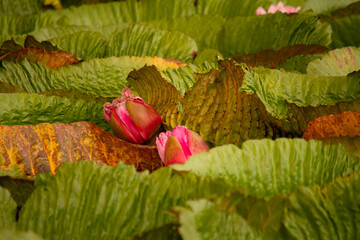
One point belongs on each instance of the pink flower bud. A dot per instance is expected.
(130, 118)
(177, 146)
(279, 7)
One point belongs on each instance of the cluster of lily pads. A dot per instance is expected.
(182, 119)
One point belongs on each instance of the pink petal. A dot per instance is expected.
(161, 142)
(260, 11)
(125, 117)
(174, 153)
(181, 134)
(272, 9)
(196, 143)
(107, 111)
(120, 129)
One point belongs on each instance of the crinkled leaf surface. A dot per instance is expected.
(34, 52)
(20, 7)
(115, 203)
(23, 108)
(345, 31)
(339, 62)
(309, 213)
(272, 31)
(332, 126)
(99, 77)
(8, 210)
(266, 167)
(19, 235)
(35, 149)
(272, 58)
(141, 40)
(277, 89)
(213, 107)
(19, 189)
(84, 45)
(203, 29)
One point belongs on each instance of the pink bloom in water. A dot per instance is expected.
(279, 7)
(177, 146)
(130, 118)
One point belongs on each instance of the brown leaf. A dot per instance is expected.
(35, 51)
(345, 124)
(35, 149)
(271, 58)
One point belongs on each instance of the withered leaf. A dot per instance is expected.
(345, 124)
(35, 51)
(34, 149)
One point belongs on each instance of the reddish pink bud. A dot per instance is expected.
(131, 118)
(279, 7)
(177, 146)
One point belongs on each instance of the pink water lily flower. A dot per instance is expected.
(130, 118)
(279, 7)
(177, 146)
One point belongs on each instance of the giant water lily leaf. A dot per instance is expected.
(344, 31)
(24, 24)
(97, 15)
(19, 235)
(201, 220)
(141, 40)
(8, 210)
(339, 128)
(84, 45)
(154, 89)
(277, 89)
(22, 108)
(56, 31)
(309, 213)
(230, 8)
(114, 201)
(272, 31)
(266, 167)
(324, 6)
(213, 107)
(99, 77)
(34, 149)
(34, 52)
(272, 58)
(329, 213)
(203, 29)
(332, 126)
(19, 189)
(339, 62)
(9, 88)
(20, 7)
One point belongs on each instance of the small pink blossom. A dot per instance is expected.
(177, 146)
(279, 7)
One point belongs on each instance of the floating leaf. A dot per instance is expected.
(213, 107)
(272, 31)
(141, 40)
(332, 126)
(345, 31)
(98, 77)
(272, 58)
(309, 213)
(44, 147)
(20, 189)
(265, 167)
(35, 51)
(339, 62)
(7, 209)
(113, 201)
(22, 108)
